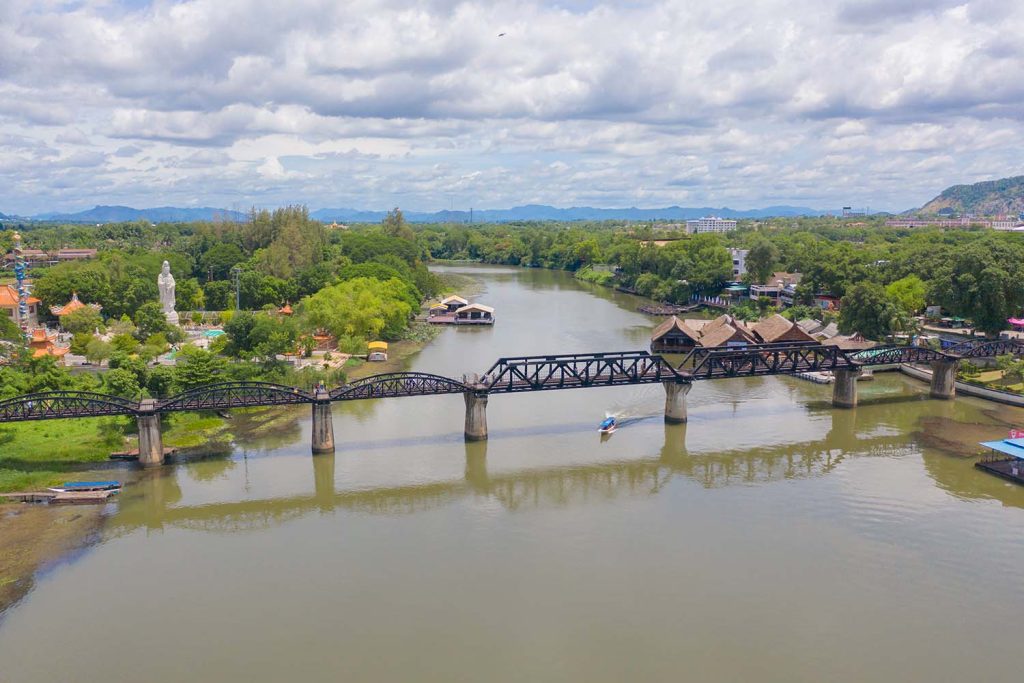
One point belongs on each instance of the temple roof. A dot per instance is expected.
(72, 306)
(9, 297)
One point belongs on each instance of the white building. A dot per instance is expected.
(710, 224)
(739, 263)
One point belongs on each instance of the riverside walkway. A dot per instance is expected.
(515, 375)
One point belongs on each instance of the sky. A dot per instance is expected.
(369, 104)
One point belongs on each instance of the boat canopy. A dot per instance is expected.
(377, 346)
(608, 422)
(1011, 447)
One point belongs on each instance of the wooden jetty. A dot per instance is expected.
(1005, 458)
(60, 497)
(666, 309)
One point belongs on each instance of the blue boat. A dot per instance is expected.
(88, 486)
(608, 426)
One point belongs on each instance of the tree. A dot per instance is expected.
(121, 382)
(9, 331)
(761, 260)
(908, 293)
(362, 308)
(218, 261)
(97, 350)
(85, 320)
(189, 296)
(80, 342)
(150, 320)
(867, 309)
(196, 367)
(395, 225)
(219, 295)
(160, 381)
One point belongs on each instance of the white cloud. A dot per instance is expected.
(372, 103)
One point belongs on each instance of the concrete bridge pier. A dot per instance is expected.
(675, 401)
(476, 415)
(844, 389)
(943, 379)
(151, 442)
(323, 424)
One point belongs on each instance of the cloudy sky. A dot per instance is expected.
(374, 103)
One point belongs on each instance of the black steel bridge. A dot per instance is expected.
(518, 374)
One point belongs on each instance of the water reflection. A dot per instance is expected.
(858, 433)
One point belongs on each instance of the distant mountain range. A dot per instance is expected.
(160, 214)
(989, 198)
(542, 212)
(530, 212)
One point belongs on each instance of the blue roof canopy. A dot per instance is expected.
(1012, 447)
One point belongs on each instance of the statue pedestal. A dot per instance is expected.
(172, 317)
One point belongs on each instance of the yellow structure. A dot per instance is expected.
(377, 351)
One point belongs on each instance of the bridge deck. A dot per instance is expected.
(510, 375)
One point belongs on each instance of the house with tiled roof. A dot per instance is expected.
(776, 330)
(9, 306)
(674, 336)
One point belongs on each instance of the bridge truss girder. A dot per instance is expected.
(572, 371)
(52, 405)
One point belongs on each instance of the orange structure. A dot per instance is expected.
(9, 306)
(74, 305)
(43, 344)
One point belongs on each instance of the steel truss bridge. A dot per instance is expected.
(509, 375)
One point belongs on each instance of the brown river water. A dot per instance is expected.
(772, 538)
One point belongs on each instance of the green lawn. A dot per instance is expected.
(48, 452)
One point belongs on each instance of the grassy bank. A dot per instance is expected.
(48, 452)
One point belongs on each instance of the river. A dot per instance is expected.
(771, 538)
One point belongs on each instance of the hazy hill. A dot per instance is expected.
(541, 212)
(988, 198)
(160, 214)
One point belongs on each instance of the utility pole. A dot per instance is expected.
(235, 273)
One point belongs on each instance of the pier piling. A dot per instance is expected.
(323, 424)
(151, 443)
(476, 415)
(844, 389)
(675, 401)
(943, 379)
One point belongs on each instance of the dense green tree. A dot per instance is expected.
(908, 293)
(121, 382)
(189, 296)
(97, 350)
(219, 295)
(8, 330)
(867, 309)
(395, 226)
(195, 367)
(362, 308)
(220, 259)
(149, 320)
(761, 260)
(85, 320)
(160, 381)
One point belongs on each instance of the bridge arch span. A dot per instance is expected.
(224, 395)
(987, 349)
(394, 384)
(51, 405)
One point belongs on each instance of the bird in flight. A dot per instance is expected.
(500, 35)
